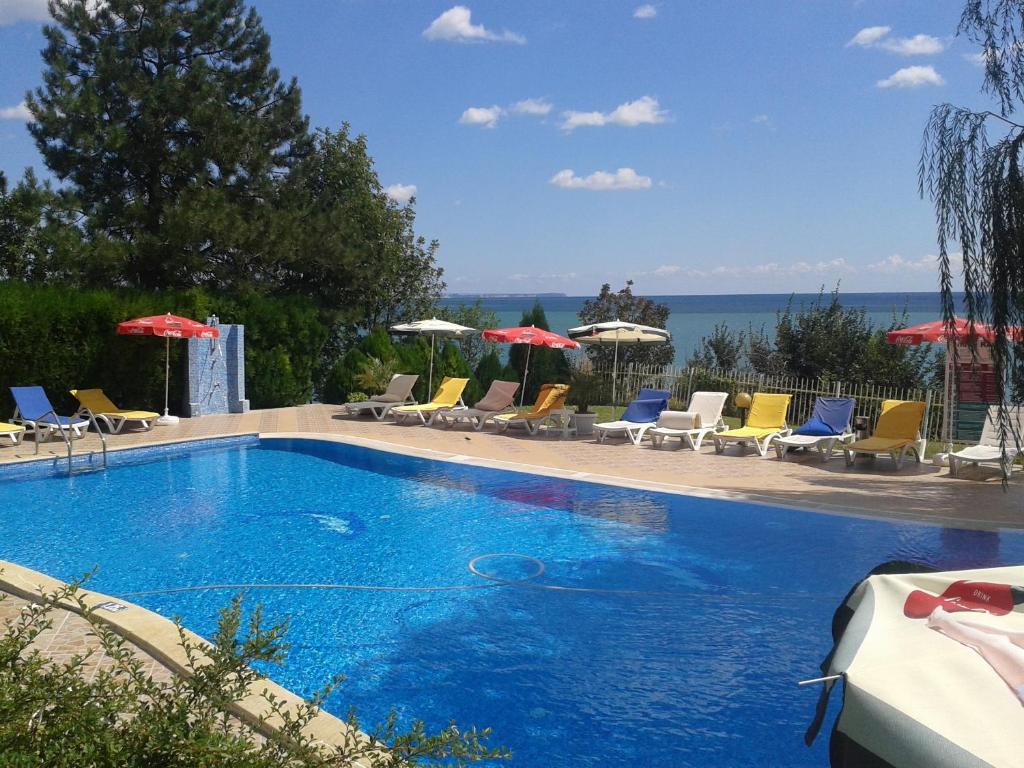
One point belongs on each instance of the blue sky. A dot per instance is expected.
(695, 147)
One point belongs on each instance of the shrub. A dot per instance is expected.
(51, 714)
(358, 397)
(63, 339)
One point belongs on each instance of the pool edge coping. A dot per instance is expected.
(618, 481)
(159, 638)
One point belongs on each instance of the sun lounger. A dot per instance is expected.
(13, 431)
(500, 398)
(105, 411)
(829, 424)
(549, 407)
(448, 395)
(897, 433)
(639, 416)
(765, 422)
(399, 392)
(32, 410)
(991, 448)
(702, 418)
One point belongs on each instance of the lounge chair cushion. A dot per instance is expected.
(679, 420)
(386, 398)
(645, 411)
(880, 444)
(815, 428)
(768, 411)
(755, 433)
(500, 396)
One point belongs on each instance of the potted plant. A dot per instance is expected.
(585, 386)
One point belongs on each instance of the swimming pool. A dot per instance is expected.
(664, 630)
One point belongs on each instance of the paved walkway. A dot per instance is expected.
(977, 499)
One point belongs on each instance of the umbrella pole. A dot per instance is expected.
(615, 370)
(167, 375)
(526, 371)
(430, 378)
(947, 427)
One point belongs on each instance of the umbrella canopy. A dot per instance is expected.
(937, 331)
(535, 337)
(615, 332)
(619, 332)
(931, 670)
(169, 327)
(432, 328)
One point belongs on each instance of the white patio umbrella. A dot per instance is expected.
(432, 328)
(614, 333)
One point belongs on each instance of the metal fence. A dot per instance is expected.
(683, 382)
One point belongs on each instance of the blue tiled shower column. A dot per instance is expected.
(216, 372)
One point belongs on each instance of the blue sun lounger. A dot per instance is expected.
(33, 410)
(829, 424)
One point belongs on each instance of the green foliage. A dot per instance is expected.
(587, 387)
(55, 713)
(375, 374)
(65, 339)
(722, 349)
(358, 397)
(169, 123)
(971, 168)
(411, 355)
(623, 305)
(475, 315)
(349, 245)
(546, 365)
(490, 369)
(828, 341)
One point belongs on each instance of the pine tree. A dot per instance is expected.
(169, 124)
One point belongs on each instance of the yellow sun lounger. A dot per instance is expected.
(765, 422)
(898, 431)
(550, 404)
(13, 431)
(448, 396)
(104, 410)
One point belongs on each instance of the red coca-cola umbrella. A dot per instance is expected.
(170, 327)
(937, 331)
(535, 337)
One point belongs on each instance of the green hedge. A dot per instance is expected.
(64, 338)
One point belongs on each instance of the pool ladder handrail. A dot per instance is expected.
(66, 436)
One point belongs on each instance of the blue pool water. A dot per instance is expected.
(664, 630)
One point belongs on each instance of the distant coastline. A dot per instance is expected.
(505, 296)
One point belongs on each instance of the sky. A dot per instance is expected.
(693, 146)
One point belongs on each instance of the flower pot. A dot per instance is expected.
(584, 423)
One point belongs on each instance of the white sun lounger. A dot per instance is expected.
(702, 418)
(989, 449)
(399, 392)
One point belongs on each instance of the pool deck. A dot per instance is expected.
(924, 492)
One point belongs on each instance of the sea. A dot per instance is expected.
(693, 318)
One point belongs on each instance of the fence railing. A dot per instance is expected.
(683, 382)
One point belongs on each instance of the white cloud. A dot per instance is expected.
(869, 36)
(538, 107)
(912, 77)
(17, 112)
(764, 120)
(878, 37)
(769, 269)
(602, 181)
(918, 45)
(400, 193)
(456, 26)
(977, 59)
(896, 264)
(13, 11)
(646, 11)
(644, 111)
(487, 117)
(666, 269)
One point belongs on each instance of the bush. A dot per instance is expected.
(63, 338)
(358, 397)
(53, 714)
